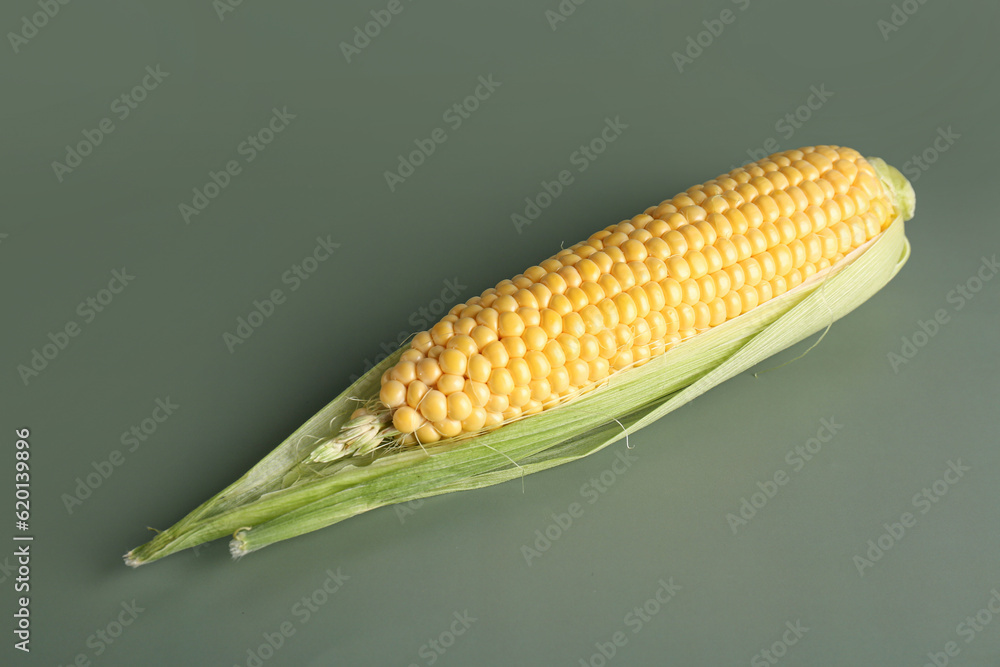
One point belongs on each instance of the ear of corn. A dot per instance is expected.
(627, 294)
(302, 486)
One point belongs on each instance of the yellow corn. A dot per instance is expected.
(634, 290)
(627, 294)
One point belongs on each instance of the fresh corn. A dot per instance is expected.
(736, 269)
(634, 290)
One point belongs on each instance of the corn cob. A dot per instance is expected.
(709, 267)
(632, 291)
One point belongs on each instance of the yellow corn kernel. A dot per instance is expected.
(393, 394)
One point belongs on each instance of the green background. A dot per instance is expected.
(323, 176)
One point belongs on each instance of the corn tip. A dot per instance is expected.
(901, 190)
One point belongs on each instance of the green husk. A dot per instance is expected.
(286, 494)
